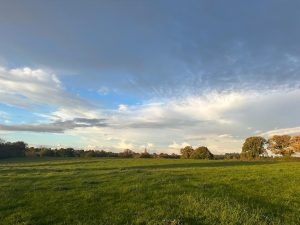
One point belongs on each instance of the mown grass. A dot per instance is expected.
(148, 191)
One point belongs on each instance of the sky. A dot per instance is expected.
(153, 74)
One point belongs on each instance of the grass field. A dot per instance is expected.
(148, 191)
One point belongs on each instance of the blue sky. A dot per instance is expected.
(156, 74)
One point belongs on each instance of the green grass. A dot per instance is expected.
(148, 191)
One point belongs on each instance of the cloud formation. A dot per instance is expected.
(158, 48)
(162, 72)
(219, 120)
(26, 87)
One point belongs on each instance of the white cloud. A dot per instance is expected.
(149, 145)
(199, 120)
(103, 90)
(174, 145)
(24, 87)
(225, 136)
(124, 145)
(28, 88)
(123, 108)
(284, 131)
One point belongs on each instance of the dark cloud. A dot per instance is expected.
(157, 47)
(56, 127)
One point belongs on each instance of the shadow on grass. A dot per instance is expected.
(47, 162)
(203, 164)
(57, 169)
(62, 170)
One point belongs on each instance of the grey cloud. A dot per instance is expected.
(158, 47)
(195, 139)
(268, 112)
(57, 126)
(166, 123)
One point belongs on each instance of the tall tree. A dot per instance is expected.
(186, 152)
(254, 147)
(201, 153)
(279, 144)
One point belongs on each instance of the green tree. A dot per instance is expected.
(201, 153)
(12, 149)
(186, 152)
(232, 156)
(253, 147)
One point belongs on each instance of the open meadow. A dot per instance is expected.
(148, 191)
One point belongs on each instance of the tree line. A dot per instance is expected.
(253, 147)
(20, 149)
(284, 145)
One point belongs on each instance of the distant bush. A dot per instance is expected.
(167, 156)
(219, 157)
(127, 153)
(232, 156)
(89, 154)
(31, 152)
(145, 155)
(46, 152)
(199, 153)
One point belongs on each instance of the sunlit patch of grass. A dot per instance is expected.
(148, 191)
